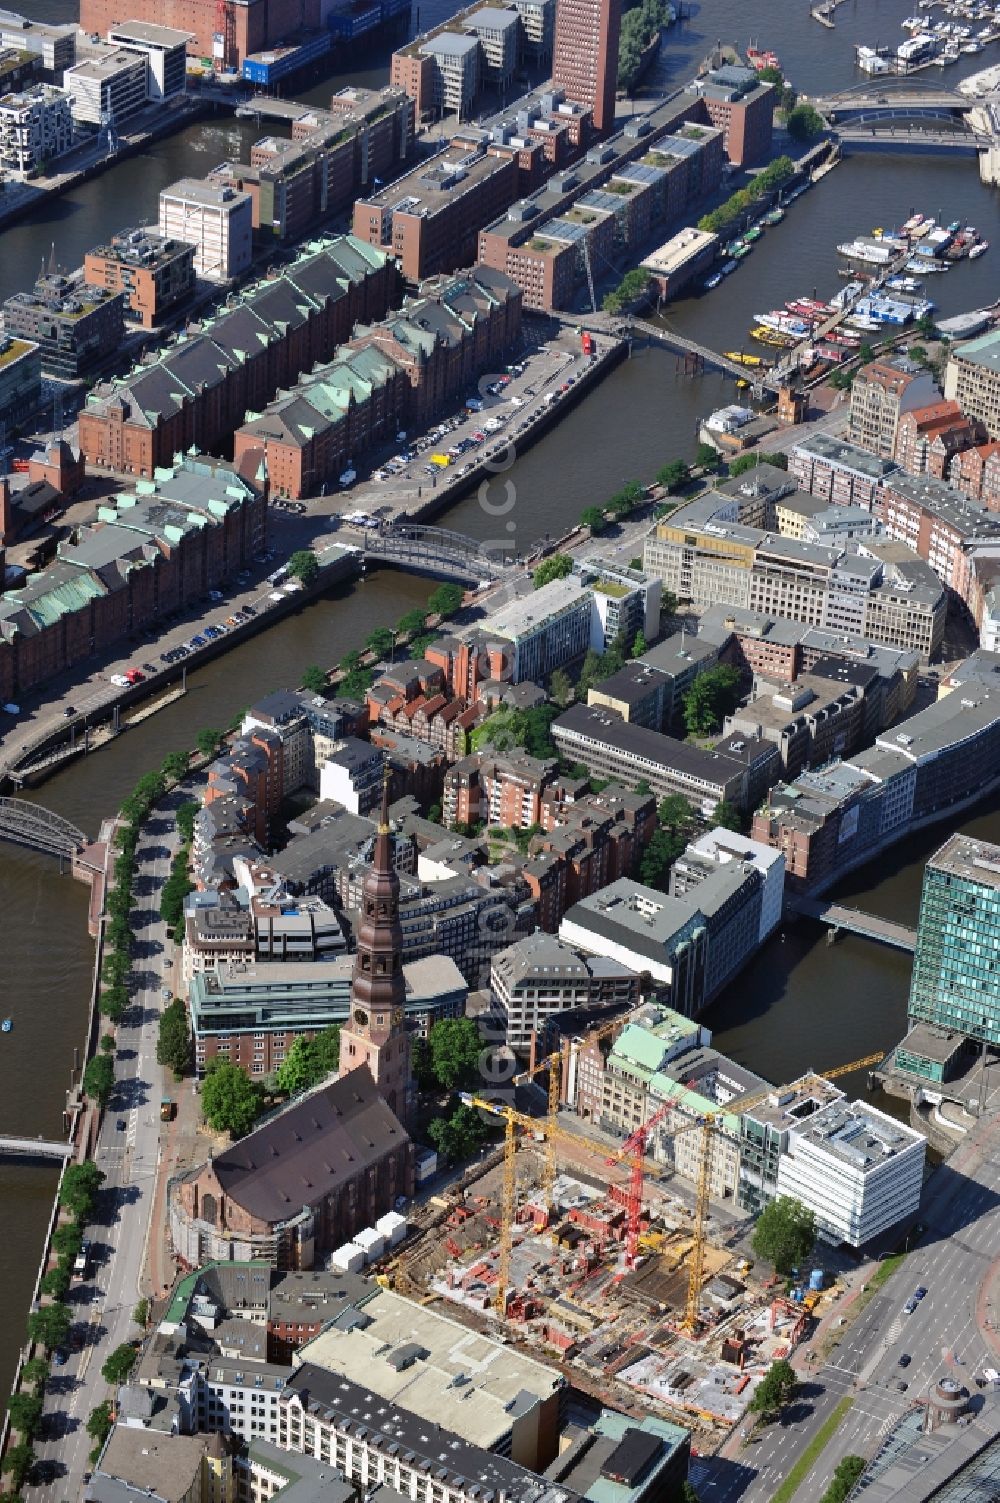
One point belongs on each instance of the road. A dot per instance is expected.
(128, 1153)
(942, 1337)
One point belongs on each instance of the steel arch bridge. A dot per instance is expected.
(433, 550)
(35, 826)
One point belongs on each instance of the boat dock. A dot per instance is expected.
(155, 705)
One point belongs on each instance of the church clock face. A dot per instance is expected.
(360, 1017)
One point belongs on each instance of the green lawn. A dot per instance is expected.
(812, 1453)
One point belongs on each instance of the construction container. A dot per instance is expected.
(393, 1227)
(817, 1278)
(371, 1242)
(350, 1258)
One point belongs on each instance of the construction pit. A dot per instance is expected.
(614, 1331)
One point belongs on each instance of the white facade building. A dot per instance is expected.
(112, 86)
(858, 1170)
(723, 846)
(218, 222)
(165, 51)
(35, 127)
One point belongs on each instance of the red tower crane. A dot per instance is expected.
(635, 1145)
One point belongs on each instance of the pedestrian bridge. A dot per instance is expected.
(900, 97)
(33, 825)
(432, 550)
(33, 1148)
(852, 920)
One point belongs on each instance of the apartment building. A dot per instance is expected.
(198, 390)
(156, 274)
(429, 219)
(217, 221)
(539, 978)
(585, 55)
(858, 1170)
(111, 86)
(54, 47)
(841, 473)
(880, 394)
(929, 438)
(35, 128)
(77, 327)
(648, 175)
(972, 379)
(500, 790)
(455, 63)
(976, 473)
(20, 379)
(740, 105)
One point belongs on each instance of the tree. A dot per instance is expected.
(711, 697)
(80, 1185)
(99, 1079)
(113, 1003)
(726, 817)
(668, 604)
(49, 1326)
(355, 685)
(185, 817)
(785, 1233)
(119, 1364)
(230, 1101)
(413, 621)
(455, 1051)
(25, 1410)
(141, 1312)
(561, 688)
(99, 1422)
(594, 518)
(303, 565)
(313, 679)
(673, 476)
(845, 1475)
(297, 1071)
(208, 741)
(458, 1135)
(675, 821)
(17, 1463)
(173, 1043)
(804, 123)
(380, 641)
(555, 567)
(36, 1372)
(688, 1493)
(421, 1063)
(707, 457)
(445, 600)
(55, 1281)
(175, 765)
(67, 1240)
(918, 353)
(776, 1387)
(639, 643)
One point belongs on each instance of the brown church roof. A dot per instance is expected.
(311, 1149)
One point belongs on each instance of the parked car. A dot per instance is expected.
(68, 712)
(904, 1359)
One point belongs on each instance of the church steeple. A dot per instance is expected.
(375, 1033)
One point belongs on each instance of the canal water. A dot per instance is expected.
(802, 1003)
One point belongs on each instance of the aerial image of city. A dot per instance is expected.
(500, 751)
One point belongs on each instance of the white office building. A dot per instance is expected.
(217, 221)
(858, 1170)
(165, 51)
(110, 87)
(719, 847)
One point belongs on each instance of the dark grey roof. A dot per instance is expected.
(413, 1440)
(296, 1158)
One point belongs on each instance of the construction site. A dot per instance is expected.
(639, 1302)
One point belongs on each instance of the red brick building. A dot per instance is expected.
(743, 108)
(201, 386)
(585, 56)
(929, 438)
(502, 790)
(976, 473)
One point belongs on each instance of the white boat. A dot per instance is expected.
(903, 284)
(876, 252)
(979, 250)
(783, 323)
(926, 265)
(846, 294)
(713, 280)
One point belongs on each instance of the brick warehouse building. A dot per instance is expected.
(202, 385)
(299, 1186)
(400, 371)
(196, 527)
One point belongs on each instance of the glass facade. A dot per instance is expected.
(956, 969)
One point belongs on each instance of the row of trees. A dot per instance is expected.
(773, 177)
(633, 286)
(639, 26)
(49, 1324)
(445, 601)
